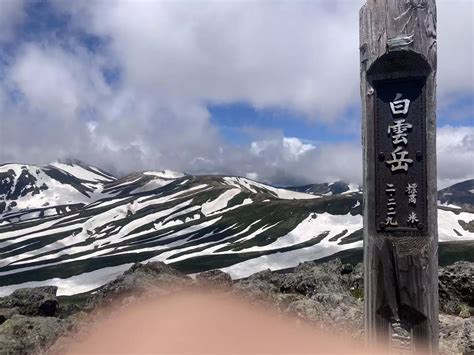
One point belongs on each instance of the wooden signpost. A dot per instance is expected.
(398, 92)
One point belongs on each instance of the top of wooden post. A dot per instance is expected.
(410, 28)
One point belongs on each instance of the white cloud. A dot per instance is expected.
(11, 15)
(455, 48)
(300, 56)
(286, 161)
(295, 148)
(252, 176)
(455, 148)
(286, 148)
(172, 59)
(296, 55)
(54, 81)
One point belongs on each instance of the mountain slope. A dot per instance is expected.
(327, 189)
(460, 194)
(192, 218)
(29, 191)
(194, 223)
(27, 187)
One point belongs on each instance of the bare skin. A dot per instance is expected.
(205, 323)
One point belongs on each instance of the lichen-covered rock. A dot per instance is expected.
(38, 301)
(456, 287)
(308, 309)
(456, 335)
(215, 279)
(7, 313)
(310, 278)
(67, 310)
(137, 280)
(262, 285)
(329, 295)
(30, 335)
(315, 292)
(355, 279)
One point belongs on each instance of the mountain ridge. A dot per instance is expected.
(193, 223)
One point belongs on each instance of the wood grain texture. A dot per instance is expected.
(398, 40)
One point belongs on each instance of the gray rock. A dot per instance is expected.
(68, 309)
(30, 335)
(456, 287)
(347, 269)
(7, 313)
(319, 293)
(38, 301)
(354, 281)
(136, 280)
(456, 335)
(79, 328)
(215, 279)
(308, 309)
(310, 278)
(263, 285)
(342, 312)
(328, 294)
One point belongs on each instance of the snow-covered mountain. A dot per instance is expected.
(460, 194)
(30, 191)
(194, 223)
(327, 189)
(30, 187)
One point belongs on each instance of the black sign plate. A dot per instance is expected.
(400, 176)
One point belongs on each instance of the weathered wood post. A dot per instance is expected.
(398, 92)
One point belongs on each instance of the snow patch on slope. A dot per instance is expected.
(152, 185)
(313, 226)
(165, 174)
(352, 188)
(81, 173)
(448, 225)
(286, 260)
(220, 202)
(254, 186)
(76, 284)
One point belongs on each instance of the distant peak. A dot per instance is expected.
(165, 174)
(83, 171)
(71, 161)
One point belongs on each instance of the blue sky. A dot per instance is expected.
(238, 123)
(253, 88)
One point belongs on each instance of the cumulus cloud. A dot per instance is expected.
(455, 48)
(11, 15)
(294, 56)
(287, 148)
(455, 147)
(54, 81)
(138, 99)
(287, 161)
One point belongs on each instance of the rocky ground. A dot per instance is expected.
(34, 321)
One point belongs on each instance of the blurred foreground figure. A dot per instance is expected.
(203, 323)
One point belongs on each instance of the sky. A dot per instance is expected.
(263, 89)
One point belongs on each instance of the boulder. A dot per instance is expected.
(308, 309)
(38, 301)
(7, 313)
(68, 309)
(216, 279)
(137, 280)
(456, 335)
(456, 288)
(30, 335)
(262, 285)
(310, 278)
